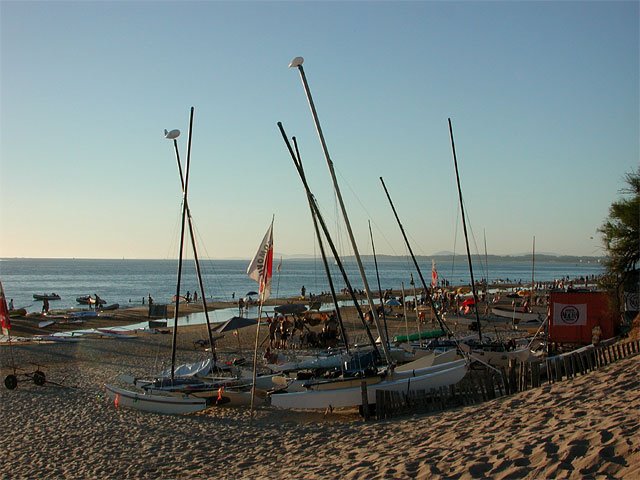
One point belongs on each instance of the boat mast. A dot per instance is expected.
(375, 262)
(325, 230)
(415, 306)
(334, 297)
(404, 312)
(262, 285)
(173, 135)
(297, 62)
(184, 214)
(464, 227)
(533, 269)
(486, 263)
(415, 264)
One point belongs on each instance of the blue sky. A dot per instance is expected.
(543, 97)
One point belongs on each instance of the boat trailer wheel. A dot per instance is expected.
(39, 378)
(11, 382)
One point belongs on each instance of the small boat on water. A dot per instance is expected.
(46, 296)
(89, 300)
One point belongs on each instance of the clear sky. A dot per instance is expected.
(543, 97)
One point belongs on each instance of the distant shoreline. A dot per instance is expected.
(539, 258)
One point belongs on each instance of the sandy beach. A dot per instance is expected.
(582, 428)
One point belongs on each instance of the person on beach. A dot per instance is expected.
(284, 332)
(303, 291)
(45, 306)
(273, 326)
(195, 296)
(240, 306)
(270, 357)
(188, 296)
(11, 304)
(368, 317)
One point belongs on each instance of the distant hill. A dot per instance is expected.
(444, 257)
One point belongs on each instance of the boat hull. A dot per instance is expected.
(435, 377)
(514, 315)
(166, 404)
(46, 297)
(501, 359)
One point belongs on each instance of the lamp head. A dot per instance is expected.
(172, 135)
(296, 62)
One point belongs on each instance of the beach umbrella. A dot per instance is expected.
(251, 293)
(234, 323)
(393, 302)
(290, 308)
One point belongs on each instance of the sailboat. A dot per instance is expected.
(491, 354)
(170, 393)
(321, 395)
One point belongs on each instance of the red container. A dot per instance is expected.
(574, 316)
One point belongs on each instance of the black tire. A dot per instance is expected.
(11, 382)
(39, 378)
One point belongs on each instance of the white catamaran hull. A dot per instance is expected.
(501, 359)
(167, 404)
(352, 397)
(515, 315)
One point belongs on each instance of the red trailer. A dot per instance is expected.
(575, 317)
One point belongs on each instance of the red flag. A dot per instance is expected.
(261, 267)
(5, 322)
(434, 274)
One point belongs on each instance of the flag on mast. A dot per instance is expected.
(261, 267)
(434, 274)
(5, 322)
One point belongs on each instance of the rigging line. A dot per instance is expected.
(336, 277)
(173, 245)
(473, 237)
(364, 208)
(211, 271)
(455, 239)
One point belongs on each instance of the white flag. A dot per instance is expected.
(568, 315)
(261, 267)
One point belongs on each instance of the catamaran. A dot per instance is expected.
(172, 400)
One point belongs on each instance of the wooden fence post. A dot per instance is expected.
(568, 366)
(365, 399)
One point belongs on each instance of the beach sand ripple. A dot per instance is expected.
(584, 427)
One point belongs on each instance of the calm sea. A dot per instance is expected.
(127, 281)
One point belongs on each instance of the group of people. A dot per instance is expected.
(280, 329)
(291, 332)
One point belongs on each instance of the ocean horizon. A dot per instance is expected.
(127, 282)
